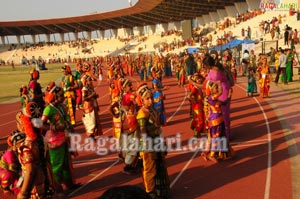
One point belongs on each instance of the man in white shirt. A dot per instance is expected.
(245, 62)
(282, 67)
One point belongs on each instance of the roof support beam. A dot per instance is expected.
(48, 28)
(8, 30)
(61, 28)
(144, 13)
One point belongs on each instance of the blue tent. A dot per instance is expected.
(232, 44)
(192, 50)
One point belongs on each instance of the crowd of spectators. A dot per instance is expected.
(201, 36)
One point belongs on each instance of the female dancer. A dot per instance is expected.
(159, 97)
(56, 124)
(69, 85)
(35, 89)
(264, 78)
(38, 179)
(24, 96)
(124, 114)
(9, 164)
(218, 147)
(155, 175)
(196, 98)
(90, 117)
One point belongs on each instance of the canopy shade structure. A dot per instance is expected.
(232, 44)
(192, 50)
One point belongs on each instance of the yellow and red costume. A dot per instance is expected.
(155, 175)
(197, 107)
(264, 80)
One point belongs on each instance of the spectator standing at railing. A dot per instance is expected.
(272, 32)
(286, 36)
(245, 62)
(282, 67)
(295, 36)
(249, 33)
(236, 56)
(289, 65)
(252, 59)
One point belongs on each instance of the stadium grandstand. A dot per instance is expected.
(160, 26)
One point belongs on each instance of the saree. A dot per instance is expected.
(264, 82)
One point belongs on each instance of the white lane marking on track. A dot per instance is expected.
(103, 96)
(269, 164)
(195, 153)
(258, 140)
(269, 170)
(14, 112)
(170, 118)
(14, 120)
(91, 180)
(268, 178)
(184, 169)
(7, 113)
(7, 123)
(246, 145)
(92, 162)
(249, 143)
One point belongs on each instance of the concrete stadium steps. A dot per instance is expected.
(4, 48)
(153, 40)
(253, 23)
(103, 47)
(7, 55)
(106, 46)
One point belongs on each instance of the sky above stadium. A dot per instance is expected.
(17, 10)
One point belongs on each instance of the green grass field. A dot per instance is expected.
(11, 80)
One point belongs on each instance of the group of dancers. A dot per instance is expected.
(210, 91)
(140, 112)
(38, 162)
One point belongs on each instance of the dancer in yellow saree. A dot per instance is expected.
(155, 175)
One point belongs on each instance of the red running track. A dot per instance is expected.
(266, 164)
